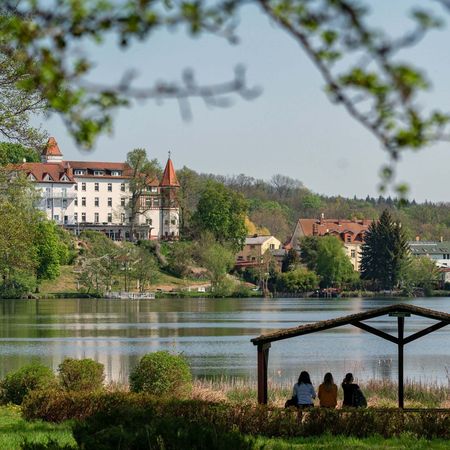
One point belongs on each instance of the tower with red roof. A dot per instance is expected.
(169, 188)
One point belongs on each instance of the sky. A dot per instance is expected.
(291, 128)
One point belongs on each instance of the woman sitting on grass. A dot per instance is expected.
(304, 391)
(328, 392)
(353, 395)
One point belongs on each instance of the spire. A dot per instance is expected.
(169, 178)
(51, 152)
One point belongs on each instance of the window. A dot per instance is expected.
(109, 187)
(49, 203)
(96, 201)
(96, 187)
(348, 238)
(122, 218)
(353, 253)
(116, 173)
(64, 203)
(76, 201)
(75, 217)
(64, 192)
(83, 201)
(149, 221)
(83, 186)
(76, 187)
(122, 187)
(122, 201)
(272, 246)
(96, 218)
(98, 172)
(173, 222)
(83, 217)
(154, 189)
(166, 222)
(48, 191)
(148, 202)
(56, 217)
(109, 217)
(78, 172)
(109, 201)
(156, 202)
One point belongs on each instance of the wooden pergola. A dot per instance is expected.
(400, 311)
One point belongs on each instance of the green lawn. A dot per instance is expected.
(14, 430)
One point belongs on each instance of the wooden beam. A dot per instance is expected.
(263, 361)
(379, 333)
(424, 332)
(401, 330)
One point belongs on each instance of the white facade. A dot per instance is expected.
(96, 195)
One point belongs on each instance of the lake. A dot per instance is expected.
(215, 334)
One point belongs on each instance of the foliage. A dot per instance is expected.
(145, 271)
(16, 153)
(163, 374)
(384, 253)
(222, 212)
(16, 385)
(309, 250)
(217, 260)
(333, 265)
(180, 258)
(81, 374)
(297, 280)
(421, 272)
(49, 250)
(290, 261)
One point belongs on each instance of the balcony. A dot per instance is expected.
(60, 195)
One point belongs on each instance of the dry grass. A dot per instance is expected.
(380, 394)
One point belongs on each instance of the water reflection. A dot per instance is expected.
(215, 336)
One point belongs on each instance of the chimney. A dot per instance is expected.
(69, 170)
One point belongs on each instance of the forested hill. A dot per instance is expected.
(277, 205)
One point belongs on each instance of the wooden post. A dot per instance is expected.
(263, 360)
(401, 327)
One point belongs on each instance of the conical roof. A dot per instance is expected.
(169, 178)
(52, 148)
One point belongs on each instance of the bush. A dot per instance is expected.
(162, 373)
(81, 374)
(49, 445)
(16, 385)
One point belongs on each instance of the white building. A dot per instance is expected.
(96, 195)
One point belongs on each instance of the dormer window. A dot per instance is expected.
(154, 189)
(31, 177)
(98, 172)
(79, 172)
(64, 178)
(116, 173)
(47, 177)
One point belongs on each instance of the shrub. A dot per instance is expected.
(81, 374)
(49, 445)
(16, 385)
(162, 373)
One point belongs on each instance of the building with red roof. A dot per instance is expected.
(96, 195)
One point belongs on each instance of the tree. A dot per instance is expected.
(145, 270)
(379, 89)
(143, 171)
(47, 246)
(222, 212)
(333, 265)
(290, 261)
(297, 280)
(309, 249)
(16, 153)
(18, 220)
(384, 253)
(421, 272)
(217, 260)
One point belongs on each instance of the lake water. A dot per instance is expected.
(215, 336)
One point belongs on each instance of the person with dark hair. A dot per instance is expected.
(328, 392)
(353, 395)
(304, 391)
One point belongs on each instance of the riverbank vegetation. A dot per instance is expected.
(167, 409)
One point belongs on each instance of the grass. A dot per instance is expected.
(14, 430)
(347, 443)
(66, 282)
(380, 394)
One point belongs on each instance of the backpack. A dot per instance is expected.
(291, 402)
(359, 401)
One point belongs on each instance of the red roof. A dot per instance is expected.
(52, 148)
(54, 170)
(169, 177)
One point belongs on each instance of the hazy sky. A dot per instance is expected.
(291, 128)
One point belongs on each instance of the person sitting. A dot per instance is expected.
(328, 392)
(304, 391)
(353, 395)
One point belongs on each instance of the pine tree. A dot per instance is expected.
(384, 252)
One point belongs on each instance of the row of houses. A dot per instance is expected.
(86, 195)
(350, 232)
